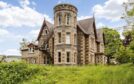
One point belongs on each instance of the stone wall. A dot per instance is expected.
(65, 23)
(30, 57)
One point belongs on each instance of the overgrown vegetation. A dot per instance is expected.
(22, 73)
(14, 73)
(120, 74)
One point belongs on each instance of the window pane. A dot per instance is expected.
(68, 38)
(59, 56)
(60, 19)
(68, 56)
(59, 37)
(68, 18)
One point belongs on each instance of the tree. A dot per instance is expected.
(128, 15)
(123, 55)
(112, 42)
(129, 37)
(131, 12)
(131, 47)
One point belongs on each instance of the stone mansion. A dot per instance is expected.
(67, 41)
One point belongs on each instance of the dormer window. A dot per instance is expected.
(46, 32)
(31, 50)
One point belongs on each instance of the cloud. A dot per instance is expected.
(14, 16)
(34, 33)
(3, 32)
(3, 5)
(61, 1)
(110, 10)
(6, 36)
(24, 3)
(100, 25)
(33, 3)
(22, 16)
(11, 52)
(83, 17)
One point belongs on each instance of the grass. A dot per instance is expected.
(100, 74)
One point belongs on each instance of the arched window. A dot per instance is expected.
(68, 18)
(60, 19)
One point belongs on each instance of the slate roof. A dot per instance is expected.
(49, 26)
(100, 35)
(86, 25)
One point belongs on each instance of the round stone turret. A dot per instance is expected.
(65, 14)
(65, 34)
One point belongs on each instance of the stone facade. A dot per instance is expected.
(67, 41)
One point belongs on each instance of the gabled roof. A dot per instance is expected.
(86, 25)
(32, 45)
(49, 26)
(100, 35)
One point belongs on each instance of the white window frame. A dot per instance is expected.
(68, 38)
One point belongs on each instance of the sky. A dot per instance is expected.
(23, 18)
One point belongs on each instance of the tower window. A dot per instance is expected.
(59, 37)
(67, 38)
(60, 19)
(59, 56)
(68, 18)
(68, 56)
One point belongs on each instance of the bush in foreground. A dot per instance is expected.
(14, 73)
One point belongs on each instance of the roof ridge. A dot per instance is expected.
(85, 19)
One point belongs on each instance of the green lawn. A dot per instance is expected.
(100, 74)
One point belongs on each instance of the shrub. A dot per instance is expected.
(14, 73)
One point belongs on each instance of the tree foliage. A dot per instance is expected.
(112, 42)
(129, 37)
(131, 47)
(123, 55)
(131, 12)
